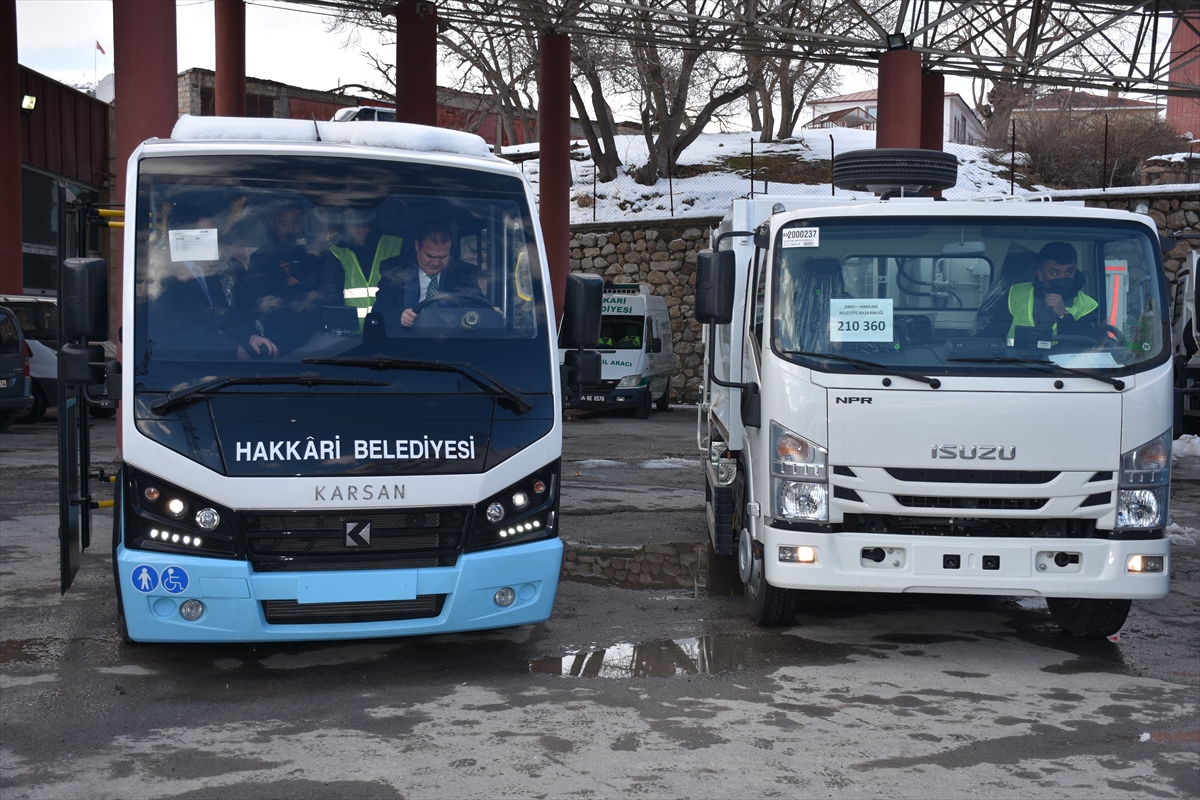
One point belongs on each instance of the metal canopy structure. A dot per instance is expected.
(1099, 44)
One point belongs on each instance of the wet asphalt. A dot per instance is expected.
(663, 693)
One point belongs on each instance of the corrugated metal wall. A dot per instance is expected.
(67, 132)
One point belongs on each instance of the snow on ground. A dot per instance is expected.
(710, 194)
(1186, 445)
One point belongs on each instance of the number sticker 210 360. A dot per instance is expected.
(860, 320)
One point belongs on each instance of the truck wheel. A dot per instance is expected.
(664, 402)
(893, 168)
(1088, 617)
(768, 605)
(643, 409)
(36, 411)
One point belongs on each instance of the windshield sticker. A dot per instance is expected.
(860, 320)
(1084, 360)
(801, 237)
(194, 245)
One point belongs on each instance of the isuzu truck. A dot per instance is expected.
(315, 443)
(910, 395)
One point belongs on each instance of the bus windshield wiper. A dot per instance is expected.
(191, 394)
(1048, 366)
(867, 366)
(507, 397)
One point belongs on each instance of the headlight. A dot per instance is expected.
(630, 381)
(798, 487)
(156, 518)
(524, 512)
(1142, 486)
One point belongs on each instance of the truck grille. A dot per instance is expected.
(972, 503)
(969, 526)
(289, 612)
(1002, 476)
(300, 542)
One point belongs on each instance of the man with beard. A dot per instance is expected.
(1053, 304)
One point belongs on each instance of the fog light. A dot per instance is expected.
(505, 597)
(1145, 564)
(176, 507)
(191, 610)
(151, 493)
(495, 512)
(207, 519)
(520, 500)
(798, 555)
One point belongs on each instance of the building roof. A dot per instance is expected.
(858, 97)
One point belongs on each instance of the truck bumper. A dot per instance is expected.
(233, 596)
(1095, 568)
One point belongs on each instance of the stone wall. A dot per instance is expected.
(677, 565)
(662, 255)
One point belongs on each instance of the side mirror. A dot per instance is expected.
(84, 301)
(656, 345)
(762, 236)
(581, 316)
(1166, 243)
(715, 275)
(582, 368)
(81, 365)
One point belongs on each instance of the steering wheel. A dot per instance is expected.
(1114, 333)
(471, 300)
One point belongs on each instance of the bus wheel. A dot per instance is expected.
(1088, 617)
(768, 605)
(643, 409)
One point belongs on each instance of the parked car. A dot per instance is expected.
(38, 319)
(364, 113)
(15, 384)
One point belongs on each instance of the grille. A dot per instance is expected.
(317, 542)
(290, 612)
(1101, 499)
(972, 503)
(1008, 476)
(968, 526)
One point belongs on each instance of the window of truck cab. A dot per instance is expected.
(917, 293)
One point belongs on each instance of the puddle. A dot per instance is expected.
(704, 655)
(25, 651)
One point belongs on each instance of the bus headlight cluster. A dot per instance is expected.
(523, 512)
(174, 537)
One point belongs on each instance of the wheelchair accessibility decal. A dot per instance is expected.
(146, 579)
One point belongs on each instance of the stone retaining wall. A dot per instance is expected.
(677, 565)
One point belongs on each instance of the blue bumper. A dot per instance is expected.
(233, 594)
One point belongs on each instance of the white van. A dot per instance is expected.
(637, 359)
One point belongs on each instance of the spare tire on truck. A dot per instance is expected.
(894, 169)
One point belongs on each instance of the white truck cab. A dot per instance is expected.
(636, 356)
(899, 398)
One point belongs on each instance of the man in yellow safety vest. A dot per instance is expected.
(1054, 304)
(358, 248)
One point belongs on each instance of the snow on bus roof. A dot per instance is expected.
(393, 135)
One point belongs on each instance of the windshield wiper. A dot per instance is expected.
(191, 394)
(867, 366)
(1047, 366)
(508, 398)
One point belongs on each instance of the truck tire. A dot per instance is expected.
(893, 168)
(643, 409)
(1088, 618)
(36, 411)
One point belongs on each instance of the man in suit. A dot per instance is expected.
(424, 273)
(190, 307)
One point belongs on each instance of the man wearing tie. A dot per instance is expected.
(423, 274)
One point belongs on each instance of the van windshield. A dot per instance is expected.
(965, 295)
(622, 333)
(260, 265)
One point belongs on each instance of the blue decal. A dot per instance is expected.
(145, 579)
(174, 579)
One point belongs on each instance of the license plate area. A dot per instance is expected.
(967, 559)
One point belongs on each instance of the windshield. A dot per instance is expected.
(622, 333)
(966, 295)
(273, 265)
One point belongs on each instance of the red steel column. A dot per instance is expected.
(899, 99)
(229, 91)
(416, 62)
(12, 271)
(554, 133)
(933, 110)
